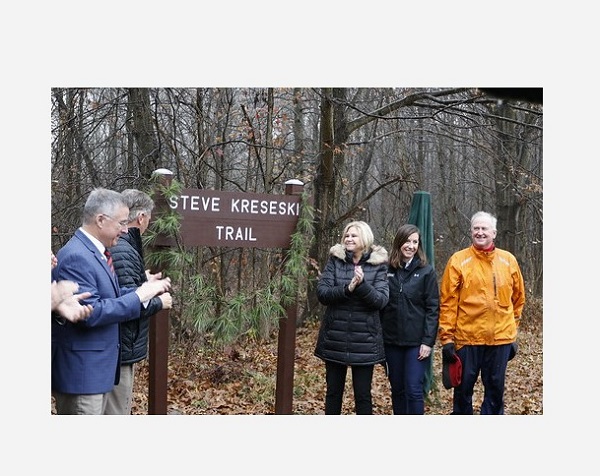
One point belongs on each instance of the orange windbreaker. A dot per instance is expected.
(482, 295)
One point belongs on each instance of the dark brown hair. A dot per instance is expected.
(402, 237)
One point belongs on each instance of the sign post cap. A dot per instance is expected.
(294, 182)
(162, 172)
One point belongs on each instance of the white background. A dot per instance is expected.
(310, 43)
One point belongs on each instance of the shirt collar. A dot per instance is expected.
(94, 240)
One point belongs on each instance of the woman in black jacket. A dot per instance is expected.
(354, 288)
(410, 320)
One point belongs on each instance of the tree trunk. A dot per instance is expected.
(142, 128)
(324, 196)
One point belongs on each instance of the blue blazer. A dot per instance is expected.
(86, 355)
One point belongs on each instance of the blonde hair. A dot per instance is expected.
(364, 232)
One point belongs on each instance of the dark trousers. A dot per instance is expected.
(335, 376)
(491, 361)
(407, 379)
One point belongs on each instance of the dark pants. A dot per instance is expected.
(407, 379)
(491, 361)
(335, 376)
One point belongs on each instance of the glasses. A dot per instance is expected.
(122, 224)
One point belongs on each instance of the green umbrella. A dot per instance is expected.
(421, 216)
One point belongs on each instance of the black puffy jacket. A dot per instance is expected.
(350, 330)
(128, 260)
(412, 314)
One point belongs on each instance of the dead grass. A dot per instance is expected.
(241, 380)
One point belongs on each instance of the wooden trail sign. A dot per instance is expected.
(234, 219)
(229, 219)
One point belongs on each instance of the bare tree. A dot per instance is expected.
(361, 152)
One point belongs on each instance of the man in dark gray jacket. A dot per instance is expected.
(128, 260)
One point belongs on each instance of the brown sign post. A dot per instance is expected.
(286, 345)
(158, 335)
(229, 219)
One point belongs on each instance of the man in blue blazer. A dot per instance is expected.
(85, 355)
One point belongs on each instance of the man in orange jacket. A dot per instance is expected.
(482, 295)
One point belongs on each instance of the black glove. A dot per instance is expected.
(448, 352)
(514, 348)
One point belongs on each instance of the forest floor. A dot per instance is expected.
(241, 379)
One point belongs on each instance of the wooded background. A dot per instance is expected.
(361, 153)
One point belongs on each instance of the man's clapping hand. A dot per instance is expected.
(153, 288)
